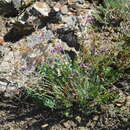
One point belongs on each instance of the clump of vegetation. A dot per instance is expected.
(85, 82)
(112, 12)
(110, 31)
(71, 85)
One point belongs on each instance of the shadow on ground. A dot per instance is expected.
(29, 116)
(24, 114)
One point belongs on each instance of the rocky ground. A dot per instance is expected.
(21, 115)
(27, 45)
(28, 41)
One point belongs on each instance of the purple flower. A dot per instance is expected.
(90, 20)
(83, 65)
(57, 49)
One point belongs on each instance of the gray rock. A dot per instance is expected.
(69, 20)
(75, 1)
(17, 3)
(64, 9)
(23, 18)
(47, 34)
(8, 1)
(57, 6)
(42, 8)
(35, 14)
(33, 40)
(8, 88)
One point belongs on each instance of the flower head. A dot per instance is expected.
(57, 49)
(83, 65)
